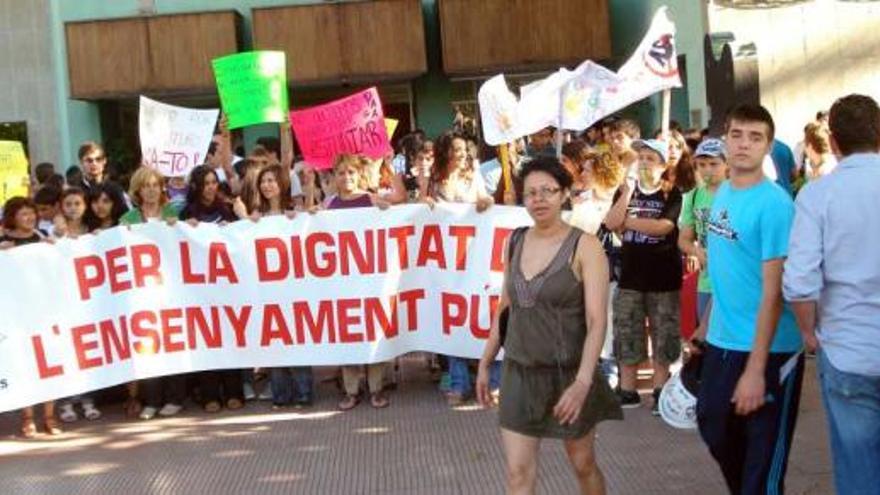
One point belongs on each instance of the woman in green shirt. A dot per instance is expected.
(147, 191)
(161, 395)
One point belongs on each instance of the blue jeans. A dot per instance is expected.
(852, 404)
(290, 385)
(460, 376)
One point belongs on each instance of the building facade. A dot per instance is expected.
(72, 70)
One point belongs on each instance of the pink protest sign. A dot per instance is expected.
(354, 124)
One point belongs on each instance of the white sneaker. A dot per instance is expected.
(91, 412)
(68, 414)
(249, 392)
(265, 394)
(148, 413)
(170, 410)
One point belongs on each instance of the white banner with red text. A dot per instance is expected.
(336, 287)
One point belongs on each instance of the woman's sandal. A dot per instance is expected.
(132, 407)
(28, 428)
(349, 402)
(379, 401)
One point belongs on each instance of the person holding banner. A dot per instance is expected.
(147, 191)
(162, 395)
(205, 202)
(19, 223)
(19, 229)
(289, 385)
(71, 222)
(106, 205)
(383, 181)
(351, 177)
(556, 285)
(455, 179)
(422, 166)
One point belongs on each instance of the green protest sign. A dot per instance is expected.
(252, 87)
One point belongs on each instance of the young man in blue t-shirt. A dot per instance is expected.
(752, 367)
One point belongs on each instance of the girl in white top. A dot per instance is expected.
(454, 178)
(817, 146)
(600, 175)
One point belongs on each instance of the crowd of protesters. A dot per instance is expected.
(658, 208)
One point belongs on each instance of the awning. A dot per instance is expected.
(166, 54)
(489, 36)
(347, 42)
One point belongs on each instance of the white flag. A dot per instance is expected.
(174, 139)
(652, 68)
(586, 95)
(539, 103)
(499, 112)
(577, 99)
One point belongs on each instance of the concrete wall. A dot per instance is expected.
(808, 54)
(27, 91)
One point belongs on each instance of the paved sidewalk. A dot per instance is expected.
(417, 446)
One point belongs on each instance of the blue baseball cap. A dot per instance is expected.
(655, 145)
(712, 147)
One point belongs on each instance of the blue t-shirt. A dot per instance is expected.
(746, 228)
(783, 159)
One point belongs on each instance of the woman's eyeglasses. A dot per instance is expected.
(543, 192)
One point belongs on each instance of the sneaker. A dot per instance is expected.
(629, 399)
(148, 413)
(170, 410)
(302, 403)
(91, 412)
(68, 414)
(265, 394)
(249, 392)
(655, 408)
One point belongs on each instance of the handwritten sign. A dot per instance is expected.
(252, 87)
(13, 171)
(354, 124)
(174, 139)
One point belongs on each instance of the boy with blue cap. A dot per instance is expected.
(710, 160)
(645, 213)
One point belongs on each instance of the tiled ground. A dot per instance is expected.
(417, 446)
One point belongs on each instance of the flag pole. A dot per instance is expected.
(504, 159)
(667, 106)
(559, 125)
